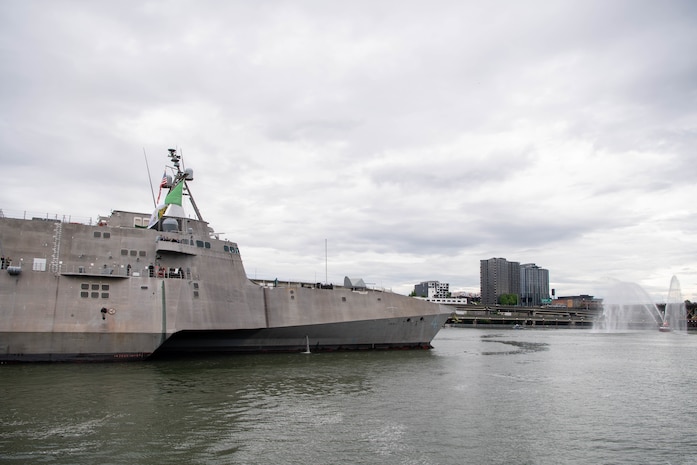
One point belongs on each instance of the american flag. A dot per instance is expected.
(163, 183)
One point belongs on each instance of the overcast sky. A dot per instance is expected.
(416, 138)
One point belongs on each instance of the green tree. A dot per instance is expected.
(508, 299)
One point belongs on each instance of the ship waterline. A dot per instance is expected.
(137, 285)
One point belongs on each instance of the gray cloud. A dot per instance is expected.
(416, 138)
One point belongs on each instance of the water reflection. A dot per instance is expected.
(522, 347)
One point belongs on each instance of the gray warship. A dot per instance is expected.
(137, 286)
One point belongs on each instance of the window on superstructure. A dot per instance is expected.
(39, 264)
(105, 287)
(141, 253)
(95, 287)
(134, 253)
(97, 234)
(208, 245)
(84, 294)
(105, 295)
(84, 286)
(124, 251)
(199, 243)
(95, 295)
(106, 235)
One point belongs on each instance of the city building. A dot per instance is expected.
(534, 285)
(432, 289)
(497, 277)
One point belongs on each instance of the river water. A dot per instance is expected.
(479, 397)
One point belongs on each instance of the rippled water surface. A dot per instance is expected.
(480, 397)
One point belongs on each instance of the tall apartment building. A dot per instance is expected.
(534, 285)
(498, 276)
(431, 289)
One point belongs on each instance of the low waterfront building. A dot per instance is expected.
(432, 289)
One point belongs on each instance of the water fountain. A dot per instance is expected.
(627, 306)
(675, 316)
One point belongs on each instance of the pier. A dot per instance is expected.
(499, 316)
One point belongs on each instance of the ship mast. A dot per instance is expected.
(183, 176)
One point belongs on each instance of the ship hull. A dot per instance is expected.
(18, 347)
(390, 333)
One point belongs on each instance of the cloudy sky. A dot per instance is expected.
(413, 138)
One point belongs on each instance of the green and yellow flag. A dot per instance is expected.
(175, 195)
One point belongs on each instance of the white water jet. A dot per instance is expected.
(675, 316)
(627, 306)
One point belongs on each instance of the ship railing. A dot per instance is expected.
(124, 271)
(311, 285)
(42, 216)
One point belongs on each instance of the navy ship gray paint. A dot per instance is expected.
(139, 285)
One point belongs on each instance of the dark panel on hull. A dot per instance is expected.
(360, 335)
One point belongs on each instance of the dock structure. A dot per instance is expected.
(500, 316)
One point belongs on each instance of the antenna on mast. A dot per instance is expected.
(152, 191)
(326, 280)
(183, 176)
